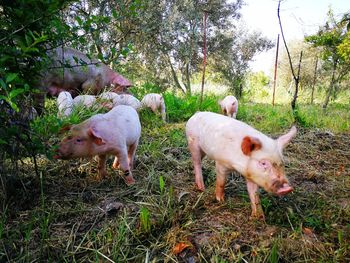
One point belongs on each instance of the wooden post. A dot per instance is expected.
(204, 54)
(275, 73)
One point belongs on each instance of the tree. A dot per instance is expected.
(332, 39)
(231, 53)
(170, 43)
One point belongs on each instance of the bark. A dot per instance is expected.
(188, 79)
(204, 53)
(176, 79)
(314, 82)
(275, 73)
(296, 79)
(331, 85)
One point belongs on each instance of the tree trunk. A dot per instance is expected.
(331, 84)
(188, 79)
(176, 80)
(204, 54)
(275, 73)
(296, 79)
(314, 82)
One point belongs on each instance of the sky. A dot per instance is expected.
(298, 17)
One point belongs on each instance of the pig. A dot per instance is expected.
(229, 106)
(84, 100)
(106, 99)
(92, 77)
(116, 133)
(234, 145)
(156, 103)
(64, 104)
(126, 99)
(71, 70)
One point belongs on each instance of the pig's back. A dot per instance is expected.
(219, 135)
(123, 121)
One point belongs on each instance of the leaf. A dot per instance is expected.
(181, 246)
(161, 184)
(307, 231)
(15, 93)
(80, 22)
(10, 77)
(3, 84)
(13, 105)
(100, 56)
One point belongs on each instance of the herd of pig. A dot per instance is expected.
(108, 100)
(232, 144)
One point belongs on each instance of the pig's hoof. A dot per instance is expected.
(258, 216)
(220, 199)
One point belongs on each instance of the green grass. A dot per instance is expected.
(66, 220)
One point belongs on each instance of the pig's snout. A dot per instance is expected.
(281, 188)
(57, 154)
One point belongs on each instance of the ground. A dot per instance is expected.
(65, 214)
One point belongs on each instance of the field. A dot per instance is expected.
(66, 215)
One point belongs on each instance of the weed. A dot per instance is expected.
(145, 220)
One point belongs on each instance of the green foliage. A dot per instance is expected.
(145, 220)
(182, 108)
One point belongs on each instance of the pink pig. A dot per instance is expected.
(237, 146)
(114, 133)
(229, 106)
(156, 103)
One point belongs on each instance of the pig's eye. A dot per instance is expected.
(78, 140)
(264, 164)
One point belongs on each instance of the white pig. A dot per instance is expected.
(237, 146)
(127, 99)
(84, 100)
(116, 132)
(64, 104)
(107, 99)
(229, 106)
(156, 103)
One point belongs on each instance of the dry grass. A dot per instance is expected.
(68, 216)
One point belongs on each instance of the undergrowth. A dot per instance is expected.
(68, 216)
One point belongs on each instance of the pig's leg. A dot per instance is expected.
(197, 156)
(221, 175)
(224, 111)
(162, 110)
(257, 211)
(131, 155)
(124, 166)
(102, 173)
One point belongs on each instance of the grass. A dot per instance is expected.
(68, 216)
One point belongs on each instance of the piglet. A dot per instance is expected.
(114, 133)
(64, 104)
(84, 100)
(234, 145)
(106, 99)
(127, 99)
(229, 106)
(155, 102)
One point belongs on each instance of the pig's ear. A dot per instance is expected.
(250, 144)
(283, 140)
(64, 129)
(96, 138)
